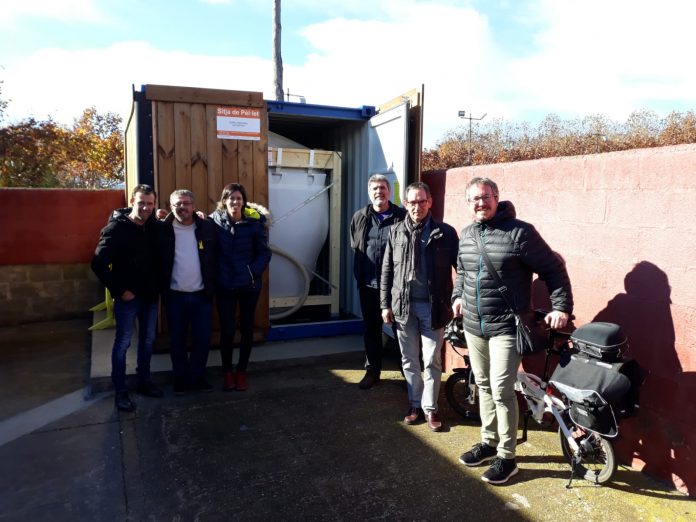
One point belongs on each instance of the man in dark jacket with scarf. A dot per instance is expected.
(369, 233)
(415, 291)
(126, 261)
(189, 266)
(517, 251)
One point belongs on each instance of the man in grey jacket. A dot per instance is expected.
(415, 290)
(517, 251)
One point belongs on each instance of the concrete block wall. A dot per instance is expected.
(46, 245)
(34, 293)
(624, 222)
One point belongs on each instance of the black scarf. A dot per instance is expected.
(415, 230)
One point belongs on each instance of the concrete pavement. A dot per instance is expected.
(304, 443)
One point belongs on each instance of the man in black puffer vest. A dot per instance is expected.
(517, 251)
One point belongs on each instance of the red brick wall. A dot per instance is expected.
(46, 244)
(53, 226)
(625, 224)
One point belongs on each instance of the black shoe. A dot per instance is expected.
(478, 454)
(369, 380)
(203, 386)
(500, 471)
(180, 388)
(124, 402)
(148, 389)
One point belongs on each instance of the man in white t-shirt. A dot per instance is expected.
(189, 246)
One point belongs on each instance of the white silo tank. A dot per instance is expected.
(300, 208)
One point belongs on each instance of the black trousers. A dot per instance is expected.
(227, 302)
(372, 317)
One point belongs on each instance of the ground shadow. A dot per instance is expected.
(304, 443)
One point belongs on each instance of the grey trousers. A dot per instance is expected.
(422, 391)
(495, 363)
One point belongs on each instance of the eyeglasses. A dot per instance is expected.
(419, 202)
(478, 199)
(180, 204)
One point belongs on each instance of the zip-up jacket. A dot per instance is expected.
(441, 258)
(206, 243)
(127, 257)
(359, 227)
(243, 251)
(517, 251)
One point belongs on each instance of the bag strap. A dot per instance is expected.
(494, 273)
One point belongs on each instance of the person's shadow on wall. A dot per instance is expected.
(661, 431)
(541, 301)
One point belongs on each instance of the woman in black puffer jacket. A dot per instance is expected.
(244, 255)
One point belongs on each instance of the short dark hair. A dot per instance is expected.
(417, 185)
(228, 190)
(482, 181)
(143, 189)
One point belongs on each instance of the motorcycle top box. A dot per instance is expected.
(604, 341)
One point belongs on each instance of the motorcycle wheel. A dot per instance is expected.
(461, 393)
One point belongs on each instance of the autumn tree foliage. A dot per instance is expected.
(3, 105)
(96, 146)
(500, 141)
(88, 154)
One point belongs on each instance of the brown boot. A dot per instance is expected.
(241, 381)
(230, 382)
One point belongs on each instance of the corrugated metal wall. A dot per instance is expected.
(352, 142)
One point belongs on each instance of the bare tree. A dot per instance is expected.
(277, 57)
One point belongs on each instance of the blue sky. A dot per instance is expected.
(518, 60)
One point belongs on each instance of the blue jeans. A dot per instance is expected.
(186, 309)
(422, 391)
(125, 313)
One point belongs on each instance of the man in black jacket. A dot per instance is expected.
(369, 233)
(517, 251)
(415, 291)
(189, 257)
(126, 261)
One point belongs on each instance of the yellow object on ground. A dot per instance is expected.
(108, 304)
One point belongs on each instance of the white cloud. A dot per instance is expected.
(369, 62)
(63, 83)
(608, 57)
(63, 10)
(388, 58)
(590, 57)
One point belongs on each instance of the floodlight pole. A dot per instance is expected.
(462, 114)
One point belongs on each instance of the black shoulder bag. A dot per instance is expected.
(532, 336)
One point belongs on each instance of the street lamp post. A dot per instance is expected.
(462, 114)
